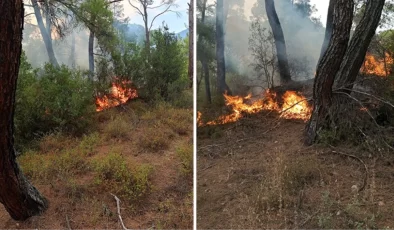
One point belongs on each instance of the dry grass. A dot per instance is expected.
(118, 128)
(50, 166)
(185, 154)
(77, 174)
(55, 142)
(156, 139)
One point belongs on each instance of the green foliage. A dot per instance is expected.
(49, 166)
(163, 71)
(51, 99)
(113, 171)
(185, 154)
(89, 143)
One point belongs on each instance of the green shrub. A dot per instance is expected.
(163, 71)
(48, 166)
(156, 138)
(89, 143)
(52, 99)
(185, 154)
(113, 172)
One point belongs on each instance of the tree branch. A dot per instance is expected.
(118, 206)
(166, 10)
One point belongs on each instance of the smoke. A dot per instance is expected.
(303, 37)
(36, 53)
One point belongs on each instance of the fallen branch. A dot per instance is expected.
(373, 96)
(362, 162)
(308, 219)
(68, 222)
(118, 206)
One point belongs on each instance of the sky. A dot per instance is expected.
(175, 23)
(322, 8)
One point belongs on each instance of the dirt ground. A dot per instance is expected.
(76, 202)
(256, 173)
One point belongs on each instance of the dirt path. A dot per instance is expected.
(257, 174)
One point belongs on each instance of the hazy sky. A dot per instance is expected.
(174, 22)
(322, 8)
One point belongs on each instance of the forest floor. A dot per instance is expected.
(141, 154)
(256, 173)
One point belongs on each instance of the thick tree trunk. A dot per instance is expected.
(205, 70)
(20, 198)
(191, 41)
(329, 25)
(280, 43)
(91, 55)
(328, 67)
(358, 45)
(44, 33)
(221, 65)
(147, 32)
(204, 63)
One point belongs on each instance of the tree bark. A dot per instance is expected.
(147, 32)
(191, 41)
(44, 33)
(221, 65)
(20, 198)
(328, 67)
(91, 55)
(329, 25)
(359, 44)
(280, 42)
(205, 70)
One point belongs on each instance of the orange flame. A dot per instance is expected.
(378, 67)
(120, 94)
(294, 106)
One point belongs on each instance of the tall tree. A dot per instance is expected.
(191, 41)
(45, 31)
(359, 43)
(280, 42)
(98, 18)
(221, 64)
(205, 45)
(328, 67)
(327, 111)
(143, 6)
(20, 198)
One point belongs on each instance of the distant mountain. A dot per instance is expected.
(132, 32)
(136, 33)
(183, 34)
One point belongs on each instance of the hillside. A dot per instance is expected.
(139, 153)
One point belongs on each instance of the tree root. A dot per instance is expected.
(362, 162)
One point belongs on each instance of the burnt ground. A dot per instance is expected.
(256, 173)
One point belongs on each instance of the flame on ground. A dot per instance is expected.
(294, 106)
(120, 94)
(379, 67)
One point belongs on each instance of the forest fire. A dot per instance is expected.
(294, 106)
(120, 94)
(379, 67)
